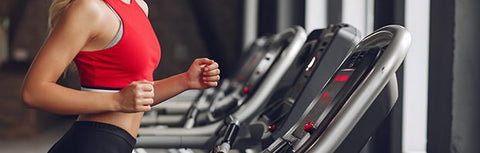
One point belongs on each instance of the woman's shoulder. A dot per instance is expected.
(87, 15)
(87, 6)
(89, 11)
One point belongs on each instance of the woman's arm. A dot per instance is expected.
(203, 73)
(77, 26)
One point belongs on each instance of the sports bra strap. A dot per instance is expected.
(119, 34)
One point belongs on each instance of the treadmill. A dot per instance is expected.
(333, 43)
(344, 115)
(324, 51)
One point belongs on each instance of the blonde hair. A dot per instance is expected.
(56, 8)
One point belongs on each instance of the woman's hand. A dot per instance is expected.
(203, 73)
(136, 97)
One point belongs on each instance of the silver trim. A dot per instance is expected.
(98, 90)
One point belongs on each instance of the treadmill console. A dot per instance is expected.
(350, 92)
(337, 91)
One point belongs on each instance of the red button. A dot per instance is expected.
(272, 127)
(246, 90)
(308, 127)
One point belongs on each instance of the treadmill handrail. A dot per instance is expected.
(382, 72)
(256, 101)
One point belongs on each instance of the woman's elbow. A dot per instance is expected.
(27, 98)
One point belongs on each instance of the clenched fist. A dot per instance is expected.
(203, 73)
(136, 97)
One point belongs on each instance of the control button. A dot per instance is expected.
(272, 127)
(246, 90)
(309, 127)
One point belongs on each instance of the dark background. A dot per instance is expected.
(188, 29)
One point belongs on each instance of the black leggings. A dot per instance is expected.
(94, 137)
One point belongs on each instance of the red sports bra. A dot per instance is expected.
(133, 58)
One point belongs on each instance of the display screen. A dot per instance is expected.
(342, 78)
(335, 95)
(332, 89)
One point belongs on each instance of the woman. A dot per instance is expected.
(116, 51)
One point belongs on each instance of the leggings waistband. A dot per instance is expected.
(115, 130)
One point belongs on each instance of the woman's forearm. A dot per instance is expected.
(169, 87)
(202, 74)
(55, 98)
